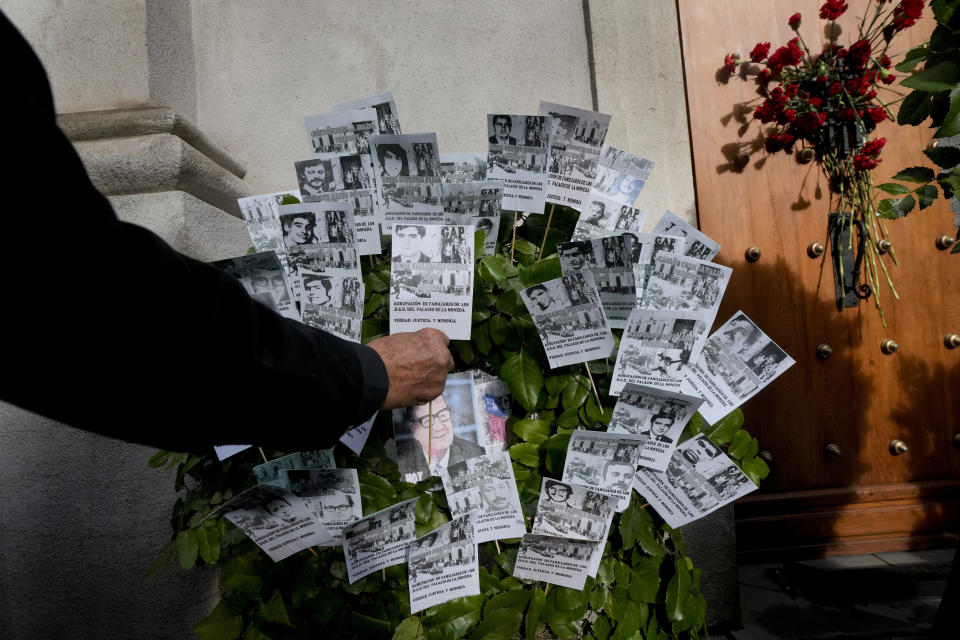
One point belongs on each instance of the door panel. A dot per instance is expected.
(859, 399)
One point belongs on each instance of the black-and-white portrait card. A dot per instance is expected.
(380, 540)
(277, 521)
(434, 435)
(333, 496)
(269, 472)
(517, 157)
(621, 175)
(494, 407)
(353, 182)
(699, 479)
(431, 280)
(476, 203)
(654, 416)
(610, 260)
(356, 437)
(341, 132)
(486, 485)
(442, 565)
(698, 244)
(320, 237)
(575, 142)
(463, 167)
(647, 247)
(604, 217)
(570, 319)
(407, 170)
(571, 511)
(655, 346)
(737, 361)
(560, 561)
(682, 283)
(260, 213)
(264, 207)
(226, 450)
(603, 462)
(387, 119)
(265, 279)
(333, 303)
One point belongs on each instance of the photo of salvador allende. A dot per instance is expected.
(445, 437)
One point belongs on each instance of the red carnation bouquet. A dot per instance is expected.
(827, 102)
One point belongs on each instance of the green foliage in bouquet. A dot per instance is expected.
(647, 586)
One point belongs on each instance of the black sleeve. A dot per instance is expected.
(109, 329)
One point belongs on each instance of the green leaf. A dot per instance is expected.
(915, 108)
(220, 624)
(535, 431)
(920, 175)
(498, 326)
(944, 10)
(631, 621)
(893, 188)
(602, 627)
(926, 195)
(480, 335)
(452, 620)
(274, 610)
(253, 633)
(374, 302)
(576, 391)
(373, 281)
(894, 208)
(556, 450)
(158, 459)
(912, 58)
(678, 592)
(571, 599)
(526, 453)
(188, 545)
(556, 384)
(636, 526)
(516, 599)
(531, 620)
(756, 469)
(940, 77)
(569, 419)
(943, 156)
(498, 625)
(522, 374)
(645, 582)
(510, 303)
(951, 122)
(289, 199)
(743, 446)
(410, 629)
(546, 269)
(950, 182)
(724, 429)
(525, 247)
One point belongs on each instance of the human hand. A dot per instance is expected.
(417, 366)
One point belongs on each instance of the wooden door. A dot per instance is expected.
(858, 399)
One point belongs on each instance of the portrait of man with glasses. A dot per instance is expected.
(427, 441)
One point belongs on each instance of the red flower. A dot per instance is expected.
(859, 54)
(885, 61)
(794, 21)
(833, 9)
(789, 115)
(760, 51)
(889, 78)
(877, 114)
(791, 89)
(764, 76)
(835, 88)
(906, 14)
(845, 114)
(841, 52)
(765, 112)
(870, 95)
(730, 62)
(816, 103)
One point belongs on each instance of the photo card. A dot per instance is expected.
(265, 279)
(656, 345)
(679, 282)
(407, 170)
(737, 361)
(442, 565)
(699, 479)
(570, 319)
(486, 486)
(603, 462)
(276, 520)
(269, 472)
(621, 175)
(576, 139)
(333, 496)
(605, 217)
(561, 561)
(387, 118)
(698, 244)
(463, 167)
(379, 540)
(517, 157)
(431, 280)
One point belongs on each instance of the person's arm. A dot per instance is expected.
(111, 330)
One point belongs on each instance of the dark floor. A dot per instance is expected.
(891, 595)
